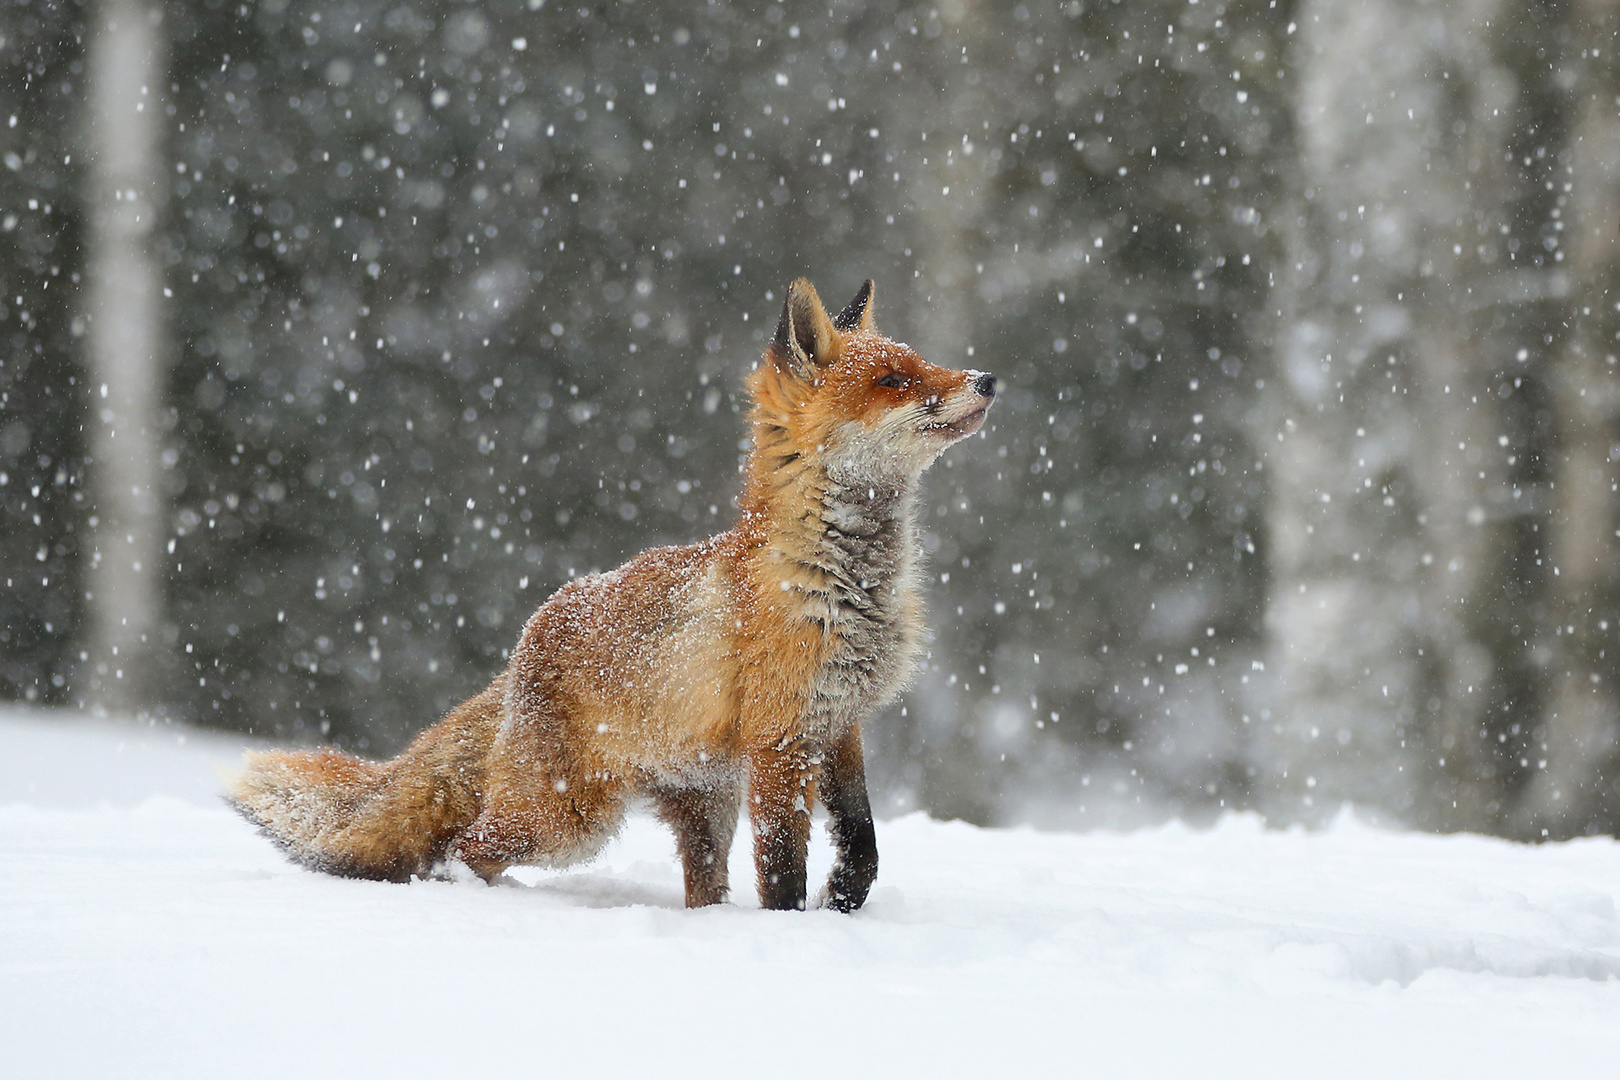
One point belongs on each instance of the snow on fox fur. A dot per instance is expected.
(690, 674)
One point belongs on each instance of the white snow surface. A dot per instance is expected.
(147, 931)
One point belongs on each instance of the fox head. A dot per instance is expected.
(833, 391)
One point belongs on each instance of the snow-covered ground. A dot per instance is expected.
(146, 931)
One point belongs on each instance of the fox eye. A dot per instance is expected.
(891, 380)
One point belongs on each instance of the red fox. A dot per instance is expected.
(752, 657)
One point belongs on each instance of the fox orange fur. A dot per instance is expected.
(747, 660)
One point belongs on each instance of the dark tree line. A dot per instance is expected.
(1301, 489)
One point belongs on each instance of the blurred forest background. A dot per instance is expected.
(335, 334)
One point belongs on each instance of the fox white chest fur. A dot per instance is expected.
(870, 605)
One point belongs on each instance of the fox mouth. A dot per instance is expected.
(962, 426)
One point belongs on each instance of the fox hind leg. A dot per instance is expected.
(705, 822)
(541, 819)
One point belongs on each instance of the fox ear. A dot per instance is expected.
(804, 337)
(857, 314)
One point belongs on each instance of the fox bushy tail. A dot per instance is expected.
(387, 820)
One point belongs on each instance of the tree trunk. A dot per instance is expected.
(1380, 429)
(1573, 760)
(126, 357)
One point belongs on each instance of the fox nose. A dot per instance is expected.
(985, 385)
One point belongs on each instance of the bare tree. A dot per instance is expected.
(1570, 758)
(126, 354)
(1382, 476)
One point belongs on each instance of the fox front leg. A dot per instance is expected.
(780, 793)
(843, 792)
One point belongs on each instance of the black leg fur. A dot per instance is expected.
(843, 792)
